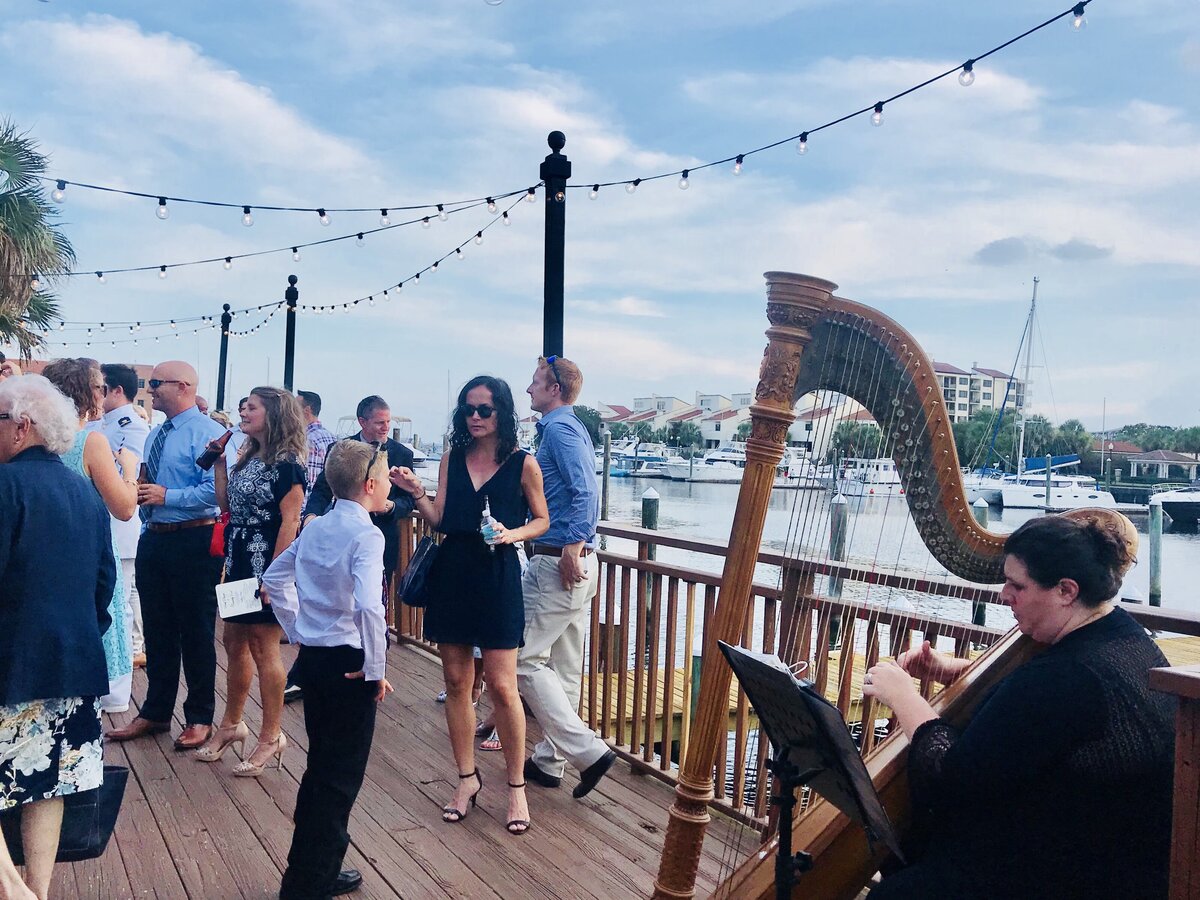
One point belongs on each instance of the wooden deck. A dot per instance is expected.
(192, 830)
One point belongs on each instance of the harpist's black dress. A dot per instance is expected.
(474, 590)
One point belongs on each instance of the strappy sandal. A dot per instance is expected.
(492, 742)
(453, 814)
(517, 826)
(484, 728)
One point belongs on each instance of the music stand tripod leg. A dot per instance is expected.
(788, 865)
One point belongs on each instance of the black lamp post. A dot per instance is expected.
(291, 295)
(554, 172)
(226, 321)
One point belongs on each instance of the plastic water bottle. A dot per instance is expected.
(487, 526)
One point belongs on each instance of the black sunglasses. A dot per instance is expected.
(550, 361)
(371, 464)
(485, 411)
(156, 383)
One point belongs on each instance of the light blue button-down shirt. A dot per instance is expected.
(568, 462)
(191, 492)
(327, 587)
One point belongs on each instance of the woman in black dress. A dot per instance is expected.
(475, 589)
(263, 495)
(1060, 785)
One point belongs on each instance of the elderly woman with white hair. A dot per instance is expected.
(53, 611)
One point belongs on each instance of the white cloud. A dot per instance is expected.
(622, 306)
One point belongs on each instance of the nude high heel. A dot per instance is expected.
(222, 740)
(247, 769)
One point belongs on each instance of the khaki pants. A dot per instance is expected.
(550, 665)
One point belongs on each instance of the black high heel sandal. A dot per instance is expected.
(517, 826)
(453, 814)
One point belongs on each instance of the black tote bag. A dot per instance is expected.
(88, 820)
(414, 585)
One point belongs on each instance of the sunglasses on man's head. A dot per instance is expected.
(485, 411)
(156, 383)
(550, 361)
(371, 465)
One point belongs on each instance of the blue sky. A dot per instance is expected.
(1074, 157)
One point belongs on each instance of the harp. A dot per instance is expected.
(819, 341)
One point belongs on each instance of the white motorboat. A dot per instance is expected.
(985, 485)
(1066, 492)
(870, 478)
(797, 472)
(1182, 504)
(724, 465)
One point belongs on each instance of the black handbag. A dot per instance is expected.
(88, 820)
(414, 585)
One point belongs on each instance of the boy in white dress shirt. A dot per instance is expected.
(325, 592)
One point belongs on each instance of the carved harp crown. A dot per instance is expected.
(817, 341)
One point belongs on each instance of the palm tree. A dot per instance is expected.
(30, 244)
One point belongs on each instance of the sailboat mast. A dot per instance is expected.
(1025, 398)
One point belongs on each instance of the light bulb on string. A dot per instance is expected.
(100, 278)
(137, 326)
(1079, 22)
(594, 192)
(59, 194)
(247, 217)
(478, 237)
(228, 264)
(877, 115)
(323, 217)
(425, 222)
(966, 75)
(632, 186)
(173, 325)
(131, 329)
(802, 144)
(384, 219)
(530, 195)
(370, 301)
(346, 308)
(441, 213)
(433, 268)
(162, 271)
(684, 184)
(62, 326)
(295, 255)
(458, 252)
(162, 212)
(417, 278)
(359, 241)
(491, 205)
(505, 219)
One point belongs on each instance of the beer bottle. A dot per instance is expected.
(213, 450)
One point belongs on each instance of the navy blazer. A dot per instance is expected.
(320, 499)
(57, 575)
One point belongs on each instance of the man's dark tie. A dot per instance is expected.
(152, 460)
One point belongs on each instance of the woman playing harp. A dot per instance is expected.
(1060, 786)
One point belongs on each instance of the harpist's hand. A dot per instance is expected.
(888, 683)
(924, 662)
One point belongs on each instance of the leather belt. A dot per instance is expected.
(547, 550)
(169, 527)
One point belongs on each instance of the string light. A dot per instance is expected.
(100, 277)
(504, 218)
(370, 301)
(441, 213)
(632, 186)
(594, 192)
(491, 206)
(59, 194)
(323, 217)
(1079, 22)
(434, 267)
(162, 211)
(360, 242)
(479, 237)
(737, 164)
(683, 181)
(458, 252)
(530, 195)
(877, 115)
(384, 219)
(228, 264)
(425, 222)
(802, 144)
(966, 77)
(295, 255)
(247, 218)
(162, 271)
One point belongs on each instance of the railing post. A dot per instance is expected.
(1184, 683)
(606, 461)
(979, 509)
(1156, 526)
(650, 517)
(226, 321)
(554, 172)
(291, 296)
(839, 523)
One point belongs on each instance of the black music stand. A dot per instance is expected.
(813, 747)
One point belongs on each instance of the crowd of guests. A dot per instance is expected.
(113, 533)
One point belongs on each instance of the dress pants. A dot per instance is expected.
(550, 665)
(133, 607)
(339, 718)
(177, 580)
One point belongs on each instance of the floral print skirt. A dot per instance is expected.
(49, 748)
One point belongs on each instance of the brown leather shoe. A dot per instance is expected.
(139, 727)
(139, 660)
(193, 737)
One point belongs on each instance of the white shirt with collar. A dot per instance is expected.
(126, 430)
(326, 588)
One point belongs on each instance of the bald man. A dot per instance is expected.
(176, 576)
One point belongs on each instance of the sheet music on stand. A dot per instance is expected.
(802, 724)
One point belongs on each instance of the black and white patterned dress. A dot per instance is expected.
(255, 492)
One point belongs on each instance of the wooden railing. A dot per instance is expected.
(1184, 683)
(646, 628)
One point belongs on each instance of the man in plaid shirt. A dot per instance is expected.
(319, 437)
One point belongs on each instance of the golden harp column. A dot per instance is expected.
(794, 303)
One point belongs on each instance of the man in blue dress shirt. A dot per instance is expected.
(560, 581)
(176, 576)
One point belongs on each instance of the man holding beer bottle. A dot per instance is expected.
(176, 575)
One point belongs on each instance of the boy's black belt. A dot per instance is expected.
(547, 550)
